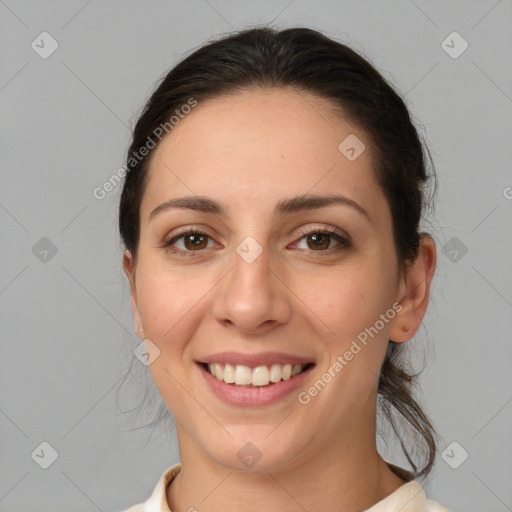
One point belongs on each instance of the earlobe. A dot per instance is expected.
(128, 264)
(414, 292)
(129, 268)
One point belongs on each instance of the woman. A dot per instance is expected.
(270, 212)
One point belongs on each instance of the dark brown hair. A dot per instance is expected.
(311, 62)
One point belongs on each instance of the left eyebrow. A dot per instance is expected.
(310, 202)
(283, 207)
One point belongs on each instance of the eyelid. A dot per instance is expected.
(303, 231)
(185, 230)
(343, 239)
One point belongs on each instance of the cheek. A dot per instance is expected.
(349, 303)
(172, 308)
(172, 305)
(347, 300)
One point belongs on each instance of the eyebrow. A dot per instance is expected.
(283, 207)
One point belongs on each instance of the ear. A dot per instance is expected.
(129, 268)
(414, 292)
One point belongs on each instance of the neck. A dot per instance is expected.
(349, 476)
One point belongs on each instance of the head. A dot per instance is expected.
(260, 131)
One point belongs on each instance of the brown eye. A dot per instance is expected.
(191, 241)
(195, 241)
(320, 240)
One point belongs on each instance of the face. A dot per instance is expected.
(255, 281)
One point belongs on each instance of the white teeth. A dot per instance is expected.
(275, 373)
(218, 371)
(260, 376)
(297, 368)
(242, 375)
(229, 374)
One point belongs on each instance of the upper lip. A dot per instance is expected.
(253, 360)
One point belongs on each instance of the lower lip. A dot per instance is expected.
(253, 396)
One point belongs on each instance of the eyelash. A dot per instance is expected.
(343, 242)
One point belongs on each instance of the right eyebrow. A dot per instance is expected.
(197, 203)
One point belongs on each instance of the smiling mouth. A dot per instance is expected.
(259, 376)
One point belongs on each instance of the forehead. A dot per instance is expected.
(257, 146)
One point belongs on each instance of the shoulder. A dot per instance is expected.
(158, 499)
(433, 506)
(410, 497)
(135, 508)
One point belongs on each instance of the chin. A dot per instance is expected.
(255, 453)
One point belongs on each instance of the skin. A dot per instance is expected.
(248, 151)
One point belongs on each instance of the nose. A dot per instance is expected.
(252, 298)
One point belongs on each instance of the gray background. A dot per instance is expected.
(67, 335)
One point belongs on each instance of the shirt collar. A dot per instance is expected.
(157, 502)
